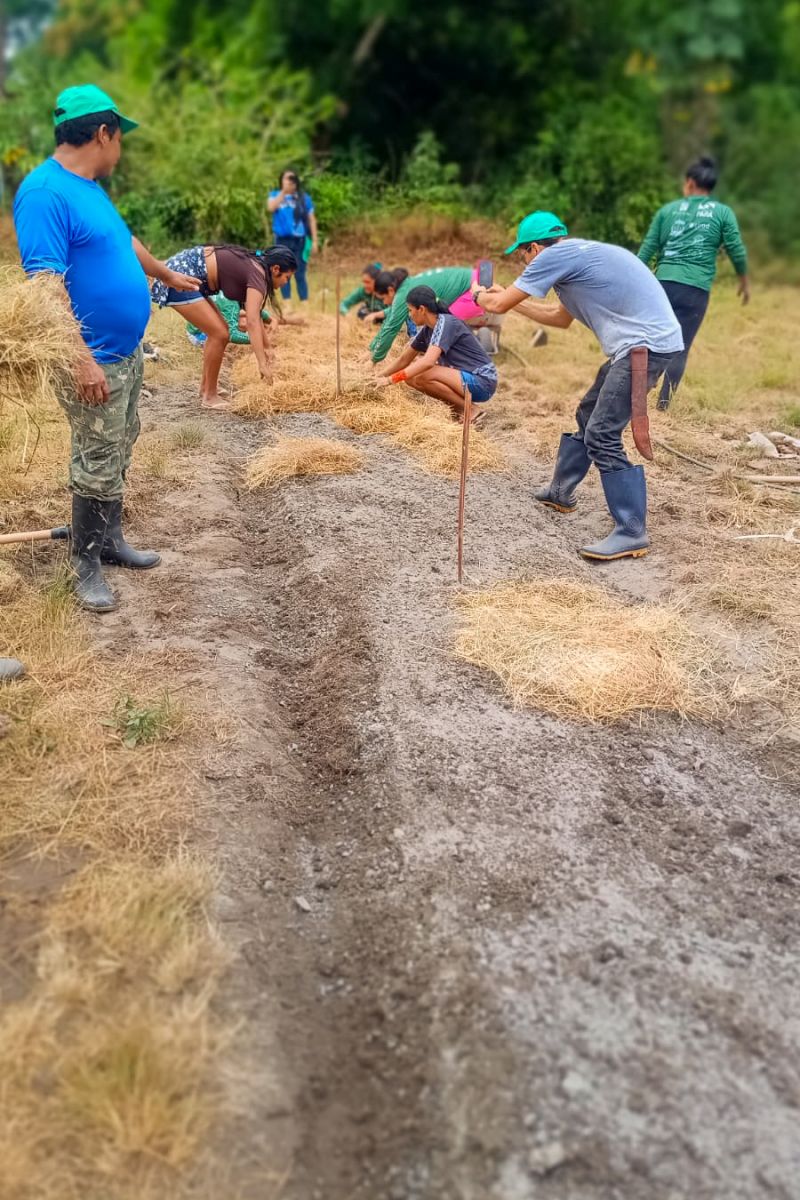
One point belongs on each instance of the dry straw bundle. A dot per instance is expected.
(305, 382)
(289, 457)
(39, 338)
(574, 650)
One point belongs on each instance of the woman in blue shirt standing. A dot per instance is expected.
(293, 221)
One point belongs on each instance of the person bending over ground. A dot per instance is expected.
(294, 223)
(246, 276)
(684, 239)
(236, 320)
(444, 358)
(67, 226)
(451, 285)
(611, 292)
(370, 306)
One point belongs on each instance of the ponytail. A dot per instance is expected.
(425, 297)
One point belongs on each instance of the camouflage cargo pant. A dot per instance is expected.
(103, 435)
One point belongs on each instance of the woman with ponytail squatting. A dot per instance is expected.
(249, 277)
(444, 359)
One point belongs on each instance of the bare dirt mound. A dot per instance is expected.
(479, 952)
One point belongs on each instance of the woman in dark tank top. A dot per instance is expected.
(247, 276)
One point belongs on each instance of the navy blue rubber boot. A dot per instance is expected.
(626, 497)
(571, 467)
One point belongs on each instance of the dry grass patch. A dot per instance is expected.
(576, 651)
(105, 1066)
(290, 457)
(424, 428)
(305, 380)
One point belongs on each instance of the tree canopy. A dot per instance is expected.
(591, 106)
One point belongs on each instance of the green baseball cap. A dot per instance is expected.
(85, 99)
(536, 227)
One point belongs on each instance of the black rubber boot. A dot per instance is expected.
(117, 551)
(572, 465)
(626, 497)
(89, 523)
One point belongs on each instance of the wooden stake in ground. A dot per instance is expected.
(338, 334)
(462, 490)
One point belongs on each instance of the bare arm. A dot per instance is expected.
(418, 364)
(312, 225)
(157, 269)
(545, 314)
(254, 302)
(274, 202)
(90, 378)
(499, 299)
(403, 359)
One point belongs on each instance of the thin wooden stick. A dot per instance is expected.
(770, 478)
(60, 534)
(686, 457)
(338, 334)
(462, 490)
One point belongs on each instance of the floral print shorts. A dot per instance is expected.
(190, 262)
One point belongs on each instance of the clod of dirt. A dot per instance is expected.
(545, 1159)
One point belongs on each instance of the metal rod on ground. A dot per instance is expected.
(338, 334)
(60, 534)
(462, 491)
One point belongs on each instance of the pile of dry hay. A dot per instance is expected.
(573, 650)
(39, 339)
(306, 383)
(289, 457)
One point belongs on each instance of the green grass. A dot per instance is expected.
(188, 436)
(139, 723)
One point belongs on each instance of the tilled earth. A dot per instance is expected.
(480, 954)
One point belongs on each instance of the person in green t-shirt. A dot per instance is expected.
(370, 306)
(233, 315)
(685, 238)
(449, 283)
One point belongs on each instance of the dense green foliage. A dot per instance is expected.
(587, 106)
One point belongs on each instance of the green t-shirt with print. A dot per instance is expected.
(685, 238)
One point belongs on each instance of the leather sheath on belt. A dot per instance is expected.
(640, 422)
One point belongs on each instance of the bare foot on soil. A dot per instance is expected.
(216, 403)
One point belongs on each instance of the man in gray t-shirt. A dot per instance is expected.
(605, 288)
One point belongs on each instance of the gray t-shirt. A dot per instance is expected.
(609, 290)
(460, 348)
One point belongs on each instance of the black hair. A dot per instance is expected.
(275, 256)
(390, 279)
(703, 172)
(301, 209)
(425, 297)
(80, 130)
(373, 270)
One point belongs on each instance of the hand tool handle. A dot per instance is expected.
(59, 534)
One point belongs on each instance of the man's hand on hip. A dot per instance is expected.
(181, 282)
(91, 383)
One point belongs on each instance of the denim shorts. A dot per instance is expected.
(481, 387)
(189, 262)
